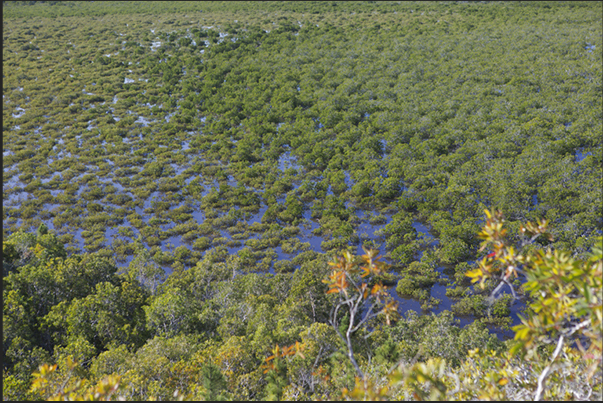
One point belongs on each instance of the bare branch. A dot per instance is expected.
(577, 327)
(546, 371)
(366, 317)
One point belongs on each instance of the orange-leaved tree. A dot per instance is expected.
(566, 293)
(361, 296)
(559, 338)
(274, 366)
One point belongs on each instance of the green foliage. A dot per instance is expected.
(144, 270)
(420, 338)
(210, 157)
(360, 301)
(417, 280)
(110, 315)
(213, 382)
(487, 375)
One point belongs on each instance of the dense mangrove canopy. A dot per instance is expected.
(185, 171)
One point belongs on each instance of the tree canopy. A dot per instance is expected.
(178, 175)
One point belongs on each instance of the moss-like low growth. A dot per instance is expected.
(416, 280)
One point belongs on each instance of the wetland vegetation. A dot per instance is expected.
(177, 175)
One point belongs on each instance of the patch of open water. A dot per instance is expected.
(580, 154)
(20, 112)
(287, 161)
